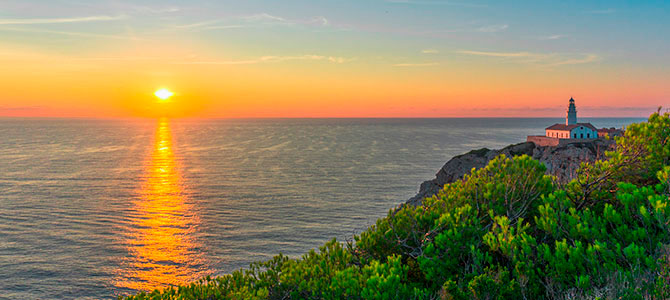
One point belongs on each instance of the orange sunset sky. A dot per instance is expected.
(236, 59)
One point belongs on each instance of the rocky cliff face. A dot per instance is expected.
(561, 161)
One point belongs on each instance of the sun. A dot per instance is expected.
(163, 94)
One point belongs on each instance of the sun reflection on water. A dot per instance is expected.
(162, 249)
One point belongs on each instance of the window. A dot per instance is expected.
(581, 135)
(575, 135)
(588, 135)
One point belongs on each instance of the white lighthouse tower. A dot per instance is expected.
(571, 113)
(570, 132)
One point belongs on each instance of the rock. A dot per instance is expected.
(561, 161)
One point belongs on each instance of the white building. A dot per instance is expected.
(571, 129)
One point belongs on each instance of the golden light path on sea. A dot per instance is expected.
(162, 249)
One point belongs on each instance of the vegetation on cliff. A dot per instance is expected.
(506, 231)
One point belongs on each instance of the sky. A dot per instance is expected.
(343, 58)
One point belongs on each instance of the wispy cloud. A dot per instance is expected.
(493, 28)
(497, 54)
(273, 58)
(416, 64)
(521, 109)
(241, 21)
(437, 2)
(544, 111)
(263, 17)
(430, 51)
(26, 111)
(197, 24)
(60, 20)
(339, 60)
(209, 25)
(320, 20)
(468, 28)
(541, 59)
(552, 37)
(134, 9)
(255, 20)
(213, 27)
(575, 61)
(120, 58)
(218, 62)
(70, 33)
(270, 59)
(155, 10)
(191, 59)
(21, 108)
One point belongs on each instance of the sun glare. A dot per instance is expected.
(163, 94)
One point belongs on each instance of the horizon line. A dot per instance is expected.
(304, 118)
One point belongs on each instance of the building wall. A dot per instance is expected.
(543, 140)
(561, 134)
(540, 140)
(583, 132)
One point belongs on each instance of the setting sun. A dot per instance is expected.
(163, 94)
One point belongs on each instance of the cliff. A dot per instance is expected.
(561, 161)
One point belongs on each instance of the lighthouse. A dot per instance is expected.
(571, 113)
(571, 132)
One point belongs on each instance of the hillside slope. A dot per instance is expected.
(561, 162)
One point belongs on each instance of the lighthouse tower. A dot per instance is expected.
(562, 134)
(571, 113)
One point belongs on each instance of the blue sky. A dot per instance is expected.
(613, 43)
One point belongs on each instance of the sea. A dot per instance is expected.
(94, 209)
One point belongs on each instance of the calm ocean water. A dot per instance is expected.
(91, 209)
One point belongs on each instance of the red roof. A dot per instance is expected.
(564, 127)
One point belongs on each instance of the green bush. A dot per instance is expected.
(505, 231)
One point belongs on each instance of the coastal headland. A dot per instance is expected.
(561, 161)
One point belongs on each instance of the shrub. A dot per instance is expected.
(505, 231)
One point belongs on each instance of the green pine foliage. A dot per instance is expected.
(506, 231)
